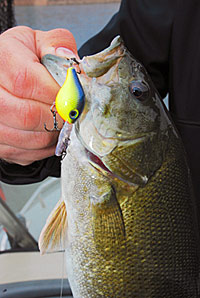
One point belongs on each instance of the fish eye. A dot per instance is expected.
(73, 114)
(139, 89)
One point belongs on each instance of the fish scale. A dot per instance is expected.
(132, 229)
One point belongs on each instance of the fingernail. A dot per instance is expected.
(64, 52)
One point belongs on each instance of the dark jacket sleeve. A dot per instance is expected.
(37, 171)
(145, 26)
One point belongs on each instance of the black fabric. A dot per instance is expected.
(37, 171)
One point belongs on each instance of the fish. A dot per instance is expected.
(127, 215)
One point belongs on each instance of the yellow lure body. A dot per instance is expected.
(70, 99)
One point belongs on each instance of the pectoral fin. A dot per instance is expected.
(52, 237)
(107, 223)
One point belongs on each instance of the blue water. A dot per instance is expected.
(83, 21)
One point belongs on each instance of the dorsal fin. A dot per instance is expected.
(53, 235)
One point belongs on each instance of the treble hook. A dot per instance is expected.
(55, 122)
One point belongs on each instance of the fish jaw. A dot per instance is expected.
(122, 158)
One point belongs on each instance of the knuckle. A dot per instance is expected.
(19, 82)
(30, 115)
(23, 83)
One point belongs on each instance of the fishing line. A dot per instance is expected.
(62, 273)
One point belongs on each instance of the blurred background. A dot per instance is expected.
(83, 18)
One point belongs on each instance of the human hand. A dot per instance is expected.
(27, 92)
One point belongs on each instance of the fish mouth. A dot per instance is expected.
(110, 161)
(96, 162)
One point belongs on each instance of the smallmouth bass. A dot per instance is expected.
(127, 213)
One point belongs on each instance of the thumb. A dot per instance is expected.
(58, 42)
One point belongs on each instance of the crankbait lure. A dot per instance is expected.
(70, 99)
(69, 104)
